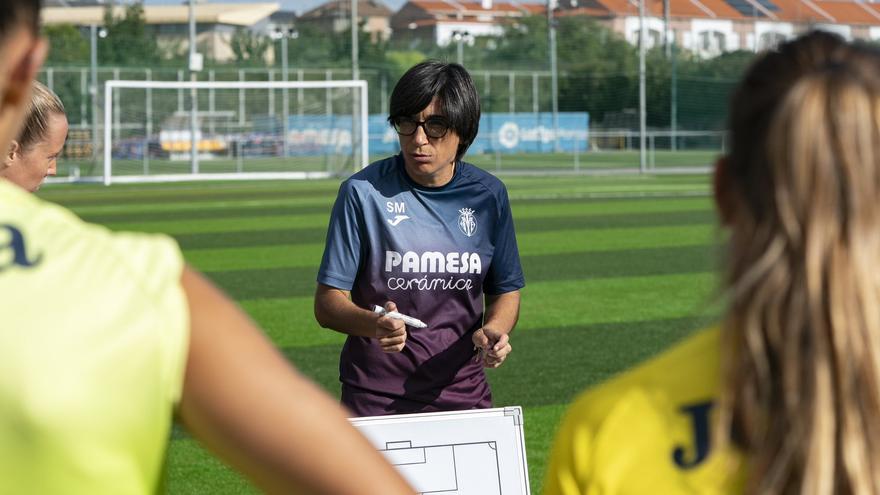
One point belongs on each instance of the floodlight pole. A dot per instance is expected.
(355, 75)
(285, 35)
(554, 76)
(673, 99)
(666, 40)
(460, 37)
(285, 98)
(193, 93)
(642, 97)
(93, 87)
(355, 72)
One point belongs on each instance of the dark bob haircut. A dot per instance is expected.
(458, 97)
(19, 11)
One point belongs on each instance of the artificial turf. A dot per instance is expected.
(617, 268)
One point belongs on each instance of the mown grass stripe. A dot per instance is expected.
(571, 303)
(284, 255)
(290, 321)
(560, 182)
(585, 355)
(620, 263)
(259, 209)
(210, 192)
(629, 220)
(590, 207)
(539, 425)
(567, 242)
(213, 224)
(300, 281)
(593, 240)
(270, 237)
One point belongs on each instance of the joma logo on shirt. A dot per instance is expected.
(433, 262)
(13, 251)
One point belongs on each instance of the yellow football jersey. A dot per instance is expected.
(648, 431)
(93, 344)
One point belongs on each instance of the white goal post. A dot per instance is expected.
(167, 131)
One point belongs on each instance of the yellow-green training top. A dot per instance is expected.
(93, 344)
(648, 431)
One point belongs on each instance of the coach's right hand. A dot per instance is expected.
(391, 332)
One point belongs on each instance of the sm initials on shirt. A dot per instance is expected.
(13, 251)
(395, 207)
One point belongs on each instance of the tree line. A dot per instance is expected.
(598, 69)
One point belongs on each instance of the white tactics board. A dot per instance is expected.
(476, 452)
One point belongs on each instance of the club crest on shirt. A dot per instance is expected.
(466, 221)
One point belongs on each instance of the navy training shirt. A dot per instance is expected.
(434, 252)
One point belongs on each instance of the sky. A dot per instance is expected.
(298, 6)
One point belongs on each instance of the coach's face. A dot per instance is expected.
(430, 161)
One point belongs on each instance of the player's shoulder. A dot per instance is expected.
(473, 174)
(689, 372)
(376, 171)
(375, 176)
(43, 223)
(70, 246)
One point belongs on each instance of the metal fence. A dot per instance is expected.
(613, 144)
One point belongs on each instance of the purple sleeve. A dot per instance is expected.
(505, 274)
(342, 249)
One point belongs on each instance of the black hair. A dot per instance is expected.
(455, 89)
(19, 11)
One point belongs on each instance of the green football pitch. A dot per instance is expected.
(617, 269)
(506, 162)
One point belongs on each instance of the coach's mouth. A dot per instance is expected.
(421, 157)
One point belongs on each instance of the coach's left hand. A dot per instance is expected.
(493, 346)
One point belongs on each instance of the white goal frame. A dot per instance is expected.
(110, 85)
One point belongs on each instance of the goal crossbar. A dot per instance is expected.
(359, 86)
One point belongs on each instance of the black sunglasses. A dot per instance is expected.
(435, 127)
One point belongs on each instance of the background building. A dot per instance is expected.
(335, 17)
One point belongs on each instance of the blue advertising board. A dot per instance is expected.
(503, 133)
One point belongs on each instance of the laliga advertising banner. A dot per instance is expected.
(499, 133)
(503, 133)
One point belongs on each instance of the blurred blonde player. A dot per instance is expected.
(790, 382)
(104, 336)
(33, 156)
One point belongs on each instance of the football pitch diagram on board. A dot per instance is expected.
(479, 452)
(452, 469)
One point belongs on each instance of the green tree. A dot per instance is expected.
(399, 61)
(313, 48)
(249, 48)
(129, 41)
(69, 46)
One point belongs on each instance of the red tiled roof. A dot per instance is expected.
(499, 9)
(496, 7)
(533, 8)
(722, 9)
(335, 7)
(845, 12)
(597, 10)
(700, 9)
(851, 12)
(798, 11)
(821, 11)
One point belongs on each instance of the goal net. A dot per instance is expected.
(183, 131)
